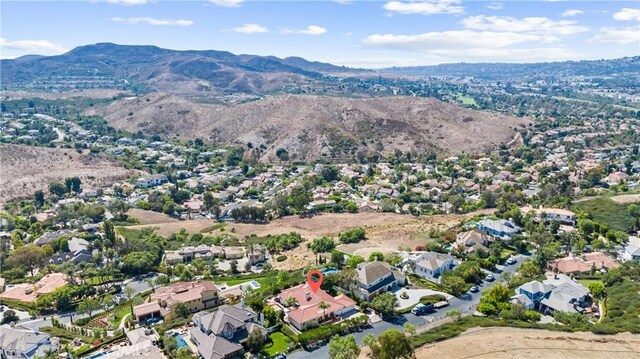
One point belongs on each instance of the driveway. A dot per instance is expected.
(139, 284)
(415, 295)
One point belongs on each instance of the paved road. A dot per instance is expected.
(139, 284)
(463, 304)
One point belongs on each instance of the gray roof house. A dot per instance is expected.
(219, 335)
(557, 292)
(376, 278)
(501, 228)
(432, 265)
(21, 343)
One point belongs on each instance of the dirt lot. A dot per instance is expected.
(26, 169)
(498, 343)
(150, 217)
(626, 198)
(386, 232)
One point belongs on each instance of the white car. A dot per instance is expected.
(512, 260)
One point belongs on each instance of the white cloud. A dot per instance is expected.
(343, 2)
(453, 40)
(250, 29)
(43, 47)
(127, 2)
(227, 3)
(621, 36)
(572, 12)
(627, 14)
(310, 30)
(494, 6)
(153, 21)
(531, 25)
(425, 7)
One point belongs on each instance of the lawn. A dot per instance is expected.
(606, 211)
(466, 100)
(98, 280)
(423, 283)
(126, 309)
(586, 282)
(280, 343)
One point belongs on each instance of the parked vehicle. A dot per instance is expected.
(489, 278)
(441, 304)
(512, 260)
(474, 289)
(421, 309)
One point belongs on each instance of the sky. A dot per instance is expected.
(371, 34)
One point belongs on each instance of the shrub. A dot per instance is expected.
(281, 258)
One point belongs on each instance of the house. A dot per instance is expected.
(500, 228)
(376, 278)
(534, 292)
(23, 343)
(432, 265)
(195, 295)
(557, 292)
(51, 236)
(563, 216)
(28, 293)
(631, 251)
(617, 178)
(151, 181)
(75, 257)
(307, 312)
(221, 333)
(583, 263)
(189, 253)
(473, 240)
(567, 296)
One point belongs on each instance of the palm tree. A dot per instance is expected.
(324, 306)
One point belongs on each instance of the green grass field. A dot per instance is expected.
(606, 211)
(279, 344)
(466, 100)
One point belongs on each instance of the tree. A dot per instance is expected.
(354, 260)
(495, 300)
(596, 289)
(612, 277)
(29, 257)
(255, 341)
(322, 245)
(129, 292)
(376, 256)
(337, 258)
(9, 316)
(455, 314)
(109, 232)
(343, 347)
(57, 189)
(89, 306)
(39, 198)
(353, 235)
(392, 344)
(453, 284)
(181, 310)
(409, 328)
(330, 173)
(324, 306)
(385, 304)
(299, 198)
(282, 154)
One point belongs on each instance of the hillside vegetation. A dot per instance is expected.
(314, 127)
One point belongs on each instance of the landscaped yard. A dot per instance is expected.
(126, 309)
(279, 344)
(586, 282)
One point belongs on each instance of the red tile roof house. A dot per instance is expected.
(583, 263)
(307, 313)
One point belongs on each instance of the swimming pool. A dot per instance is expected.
(98, 355)
(180, 340)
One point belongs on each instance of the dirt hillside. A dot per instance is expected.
(314, 127)
(26, 169)
(503, 343)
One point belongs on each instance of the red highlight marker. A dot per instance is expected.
(314, 285)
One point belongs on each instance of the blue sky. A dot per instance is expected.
(352, 33)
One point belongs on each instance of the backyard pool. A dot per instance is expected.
(180, 340)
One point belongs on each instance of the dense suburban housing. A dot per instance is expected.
(473, 240)
(583, 263)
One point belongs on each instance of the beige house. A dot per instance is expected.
(161, 304)
(28, 293)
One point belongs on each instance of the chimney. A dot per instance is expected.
(262, 319)
(307, 295)
(242, 302)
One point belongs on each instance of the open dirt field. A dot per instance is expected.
(499, 343)
(386, 232)
(626, 198)
(26, 169)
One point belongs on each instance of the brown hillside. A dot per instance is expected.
(26, 169)
(312, 127)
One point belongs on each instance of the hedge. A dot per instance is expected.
(64, 333)
(281, 258)
(327, 331)
(108, 341)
